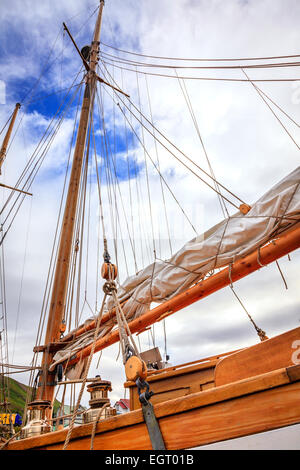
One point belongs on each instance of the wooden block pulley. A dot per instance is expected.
(135, 368)
(109, 271)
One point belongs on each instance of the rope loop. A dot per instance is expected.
(109, 287)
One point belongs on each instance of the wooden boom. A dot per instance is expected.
(279, 247)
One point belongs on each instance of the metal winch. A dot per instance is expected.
(99, 400)
(36, 420)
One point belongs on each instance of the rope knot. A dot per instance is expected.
(109, 287)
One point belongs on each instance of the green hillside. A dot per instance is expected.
(17, 397)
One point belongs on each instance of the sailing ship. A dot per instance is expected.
(228, 395)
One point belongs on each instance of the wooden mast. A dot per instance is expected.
(7, 135)
(59, 290)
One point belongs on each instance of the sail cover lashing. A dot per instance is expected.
(226, 242)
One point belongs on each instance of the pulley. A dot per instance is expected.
(85, 52)
(109, 271)
(244, 208)
(62, 327)
(135, 368)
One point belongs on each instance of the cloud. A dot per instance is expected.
(246, 145)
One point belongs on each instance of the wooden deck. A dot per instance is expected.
(238, 407)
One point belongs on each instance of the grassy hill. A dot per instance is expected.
(17, 396)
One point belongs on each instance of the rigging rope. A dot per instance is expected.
(53, 257)
(116, 59)
(71, 426)
(180, 161)
(259, 331)
(189, 105)
(113, 174)
(173, 145)
(146, 167)
(222, 79)
(272, 111)
(160, 174)
(158, 165)
(200, 59)
(35, 166)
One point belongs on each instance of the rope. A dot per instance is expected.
(125, 61)
(22, 279)
(34, 170)
(183, 154)
(6, 122)
(124, 330)
(282, 276)
(272, 111)
(146, 166)
(259, 331)
(159, 172)
(221, 79)
(189, 105)
(129, 178)
(85, 375)
(277, 106)
(158, 165)
(113, 175)
(199, 59)
(9, 440)
(53, 257)
(95, 424)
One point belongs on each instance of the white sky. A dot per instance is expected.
(248, 149)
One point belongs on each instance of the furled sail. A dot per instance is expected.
(226, 242)
(231, 239)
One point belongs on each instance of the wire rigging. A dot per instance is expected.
(272, 111)
(222, 79)
(178, 159)
(116, 59)
(173, 145)
(199, 59)
(189, 105)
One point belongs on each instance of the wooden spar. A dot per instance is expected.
(59, 290)
(279, 247)
(15, 189)
(7, 135)
(90, 326)
(164, 310)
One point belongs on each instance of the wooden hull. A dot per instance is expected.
(262, 402)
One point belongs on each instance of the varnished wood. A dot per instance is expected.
(176, 381)
(15, 189)
(257, 404)
(167, 385)
(265, 356)
(5, 142)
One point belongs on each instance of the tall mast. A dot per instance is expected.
(7, 135)
(59, 290)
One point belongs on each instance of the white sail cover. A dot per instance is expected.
(231, 239)
(226, 242)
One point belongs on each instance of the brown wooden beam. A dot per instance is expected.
(5, 142)
(279, 247)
